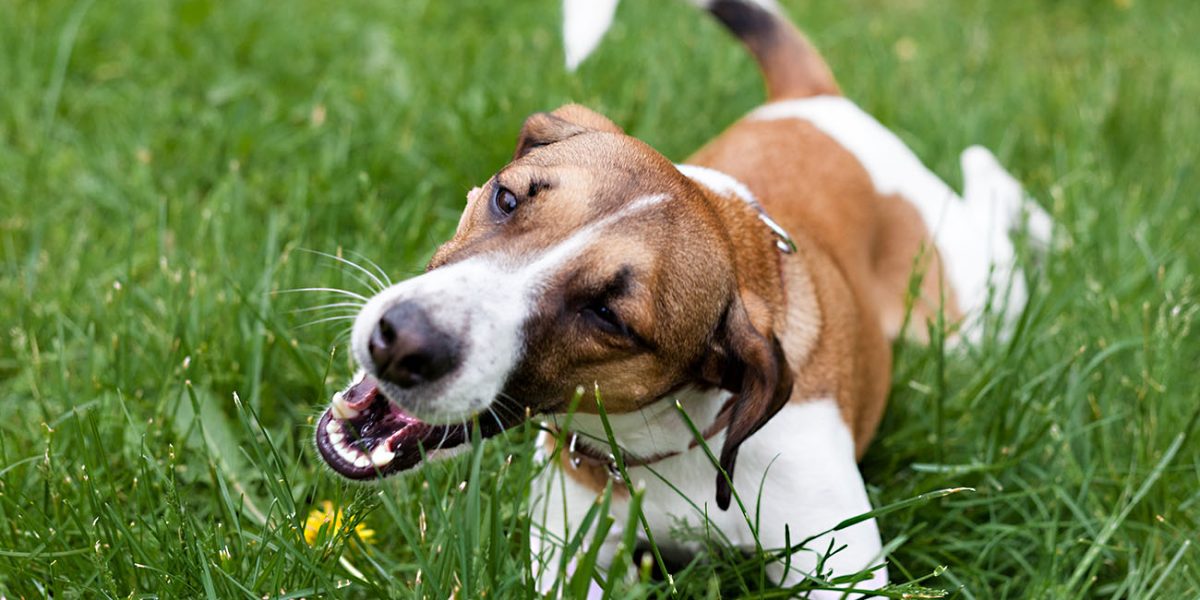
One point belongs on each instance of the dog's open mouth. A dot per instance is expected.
(363, 435)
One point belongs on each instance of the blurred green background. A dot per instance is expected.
(164, 164)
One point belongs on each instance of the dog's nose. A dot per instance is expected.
(408, 350)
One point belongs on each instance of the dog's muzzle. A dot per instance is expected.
(408, 350)
(422, 390)
(363, 435)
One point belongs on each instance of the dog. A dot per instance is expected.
(756, 288)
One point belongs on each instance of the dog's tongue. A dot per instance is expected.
(362, 435)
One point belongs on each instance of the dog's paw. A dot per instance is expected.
(997, 207)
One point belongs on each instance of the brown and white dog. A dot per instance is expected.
(592, 260)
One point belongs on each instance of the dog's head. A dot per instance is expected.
(587, 259)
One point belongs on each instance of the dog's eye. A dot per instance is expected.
(603, 317)
(504, 201)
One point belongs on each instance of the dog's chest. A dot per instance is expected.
(799, 470)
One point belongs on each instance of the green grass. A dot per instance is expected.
(162, 164)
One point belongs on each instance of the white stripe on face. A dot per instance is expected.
(484, 301)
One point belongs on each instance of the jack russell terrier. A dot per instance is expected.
(756, 287)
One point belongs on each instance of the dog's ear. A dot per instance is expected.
(748, 361)
(543, 129)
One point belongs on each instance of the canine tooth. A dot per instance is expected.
(382, 456)
(362, 461)
(340, 408)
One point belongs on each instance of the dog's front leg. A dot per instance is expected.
(804, 459)
(559, 503)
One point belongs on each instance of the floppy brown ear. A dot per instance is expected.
(757, 372)
(543, 129)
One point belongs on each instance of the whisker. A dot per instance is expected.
(324, 289)
(499, 423)
(368, 285)
(350, 263)
(326, 320)
(354, 305)
(513, 409)
(516, 408)
(646, 420)
(343, 337)
(343, 313)
(382, 273)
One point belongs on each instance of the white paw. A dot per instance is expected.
(998, 206)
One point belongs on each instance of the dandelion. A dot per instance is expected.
(330, 520)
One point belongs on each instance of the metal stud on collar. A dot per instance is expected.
(614, 472)
(784, 241)
(575, 458)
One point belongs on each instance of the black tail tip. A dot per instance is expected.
(744, 19)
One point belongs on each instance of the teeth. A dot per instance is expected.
(341, 409)
(348, 454)
(351, 455)
(337, 436)
(382, 456)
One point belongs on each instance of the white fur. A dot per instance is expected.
(557, 506)
(655, 429)
(812, 483)
(972, 236)
(485, 300)
(721, 183)
(489, 331)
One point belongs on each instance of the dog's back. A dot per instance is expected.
(866, 196)
(902, 247)
(866, 199)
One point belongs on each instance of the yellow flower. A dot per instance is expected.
(329, 520)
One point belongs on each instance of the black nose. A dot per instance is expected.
(408, 350)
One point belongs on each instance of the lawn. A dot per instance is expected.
(169, 169)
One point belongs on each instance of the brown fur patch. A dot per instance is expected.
(856, 246)
(672, 270)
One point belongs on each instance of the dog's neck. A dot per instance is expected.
(758, 244)
(658, 430)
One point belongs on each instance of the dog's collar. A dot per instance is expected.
(783, 241)
(723, 183)
(582, 454)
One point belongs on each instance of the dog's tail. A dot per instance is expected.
(790, 64)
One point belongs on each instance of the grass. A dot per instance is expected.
(163, 164)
